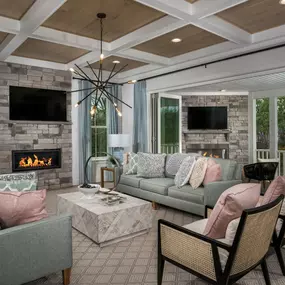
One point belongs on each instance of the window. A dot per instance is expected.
(99, 128)
(262, 123)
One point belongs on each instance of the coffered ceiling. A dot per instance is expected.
(42, 50)
(138, 32)
(108, 63)
(123, 17)
(255, 15)
(193, 38)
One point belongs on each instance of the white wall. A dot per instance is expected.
(127, 119)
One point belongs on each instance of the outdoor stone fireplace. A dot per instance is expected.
(210, 150)
(27, 160)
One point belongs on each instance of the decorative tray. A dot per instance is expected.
(113, 199)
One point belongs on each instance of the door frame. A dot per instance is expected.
(170, 96)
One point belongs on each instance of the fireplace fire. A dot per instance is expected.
(25, 160)
(210, 150)
(210, 155)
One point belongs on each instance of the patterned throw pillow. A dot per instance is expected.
(185, 171)
(18, 181)
(198, 174)
(133, 164)
(126, 162)
(151, 165)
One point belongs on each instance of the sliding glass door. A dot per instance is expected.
(169, 123)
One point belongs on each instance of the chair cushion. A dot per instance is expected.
(198, 173)
(228, 168)
(185, 170)
(18, 208)
(230, 206)
(157, 185)
(187, 193)
(275, 189)
(151, 165)
(213, 172)
(131, 180)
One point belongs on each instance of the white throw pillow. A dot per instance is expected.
(133, 164)
(198, 174)
(185, 171)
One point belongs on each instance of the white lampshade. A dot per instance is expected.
(119, 140)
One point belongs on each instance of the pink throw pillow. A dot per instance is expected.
(230, 206)
(213, 172)
(18, 208)
(275, 189)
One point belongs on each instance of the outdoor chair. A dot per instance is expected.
(214, 261)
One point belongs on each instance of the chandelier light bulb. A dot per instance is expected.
(77, 104)
(101, 56)
(115, 104)
(119, 113)
(282, 2)
(93, 110)
(71, 69)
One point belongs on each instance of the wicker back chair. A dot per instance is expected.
(200, 255)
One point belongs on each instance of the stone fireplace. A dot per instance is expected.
(28, 160)
(210, 150)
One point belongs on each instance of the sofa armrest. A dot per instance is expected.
(213, 191)
(35, 249)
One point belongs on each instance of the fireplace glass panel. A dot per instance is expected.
(26, 160)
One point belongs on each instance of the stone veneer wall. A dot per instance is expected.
(237, 123)
(16, 135)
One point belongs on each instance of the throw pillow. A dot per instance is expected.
(275, 189)
(18, 208)
(2, 225)
(126, 162)
(133, 163)
(174, 162)
(185, 171)
(151, 165)
(18, 182)
(198, 174)
(230, 206)
(213, 172)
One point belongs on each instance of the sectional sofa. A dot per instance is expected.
(163, 190)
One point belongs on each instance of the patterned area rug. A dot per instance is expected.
(134, 261)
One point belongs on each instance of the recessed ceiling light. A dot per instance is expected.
(176, 40)
(116, 61)
(132, 81)
(282, 2)
(223, 90)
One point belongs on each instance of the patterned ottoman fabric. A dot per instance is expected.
(18, 181)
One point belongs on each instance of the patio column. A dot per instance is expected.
(273, 127)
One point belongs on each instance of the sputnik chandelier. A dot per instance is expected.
(100, 87)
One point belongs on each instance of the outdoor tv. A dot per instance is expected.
(207, 118)
(33, 104)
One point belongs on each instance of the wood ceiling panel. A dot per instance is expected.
(255, 15)
(2, 36)
(123, 17)
(108, 63)
(191, 1)
(43, 50)
(15, 9)
(193, 38)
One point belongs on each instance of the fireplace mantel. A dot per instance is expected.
(225, 132)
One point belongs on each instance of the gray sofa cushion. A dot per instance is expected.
(130, 180)
(157, 185)
(187, 193)
(151, 165)
(228, 168)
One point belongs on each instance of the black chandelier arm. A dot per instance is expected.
(87, 96)
(93, 71)
(83, 77)
(118, 99)
(89, 79)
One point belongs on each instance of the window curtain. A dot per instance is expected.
(85, 143)
(140, 138)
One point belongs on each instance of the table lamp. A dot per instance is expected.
(118, 142)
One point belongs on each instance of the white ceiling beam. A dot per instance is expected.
(36, 62)
(68, 39)
(10, 26)
(212, 24)
(34, 17)
(143, 57)
(206, 8)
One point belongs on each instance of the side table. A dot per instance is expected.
(110, 169)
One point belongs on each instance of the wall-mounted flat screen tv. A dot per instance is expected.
(32, 104)
(207, 118)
